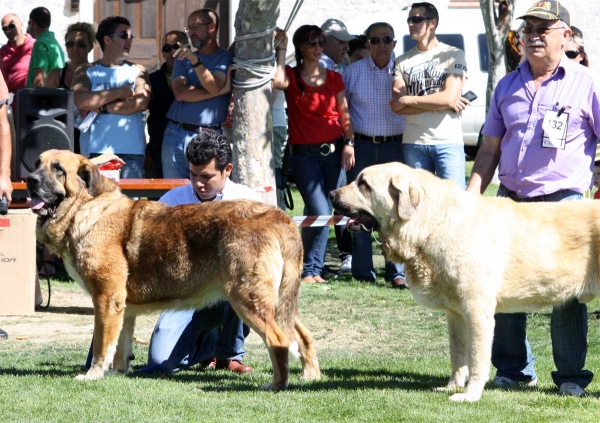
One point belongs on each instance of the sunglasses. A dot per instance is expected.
(572, 54)
(386, 40)
(313, 43)
(8, 27)
(79, 44)
(167, 48)
(540, 30)
(124, 35)
(417, 19)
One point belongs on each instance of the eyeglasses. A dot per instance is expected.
(194, 27)
(79, 44)
(386, 40)
(572, 54)
(124, 35)
(167, 48)
(8, 27)
(417, 19)
(313, 43)
(540, 30)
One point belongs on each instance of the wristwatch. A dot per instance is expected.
(198, 63)
(349, 142)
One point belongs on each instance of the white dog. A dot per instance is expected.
(474, 256)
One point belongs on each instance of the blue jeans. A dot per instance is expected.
(367, 153)
(133, 167)
(175, 142)
(316, 176)
(447, 161)
(511, 352)
(183, 338)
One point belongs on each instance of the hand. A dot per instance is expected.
(184, 52)
(6, 187)
(461, 104)
(282, 37)
(397, 103)
(126, 91)
(348, 158)
(227, 87)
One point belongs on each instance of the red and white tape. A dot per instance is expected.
(316, 221)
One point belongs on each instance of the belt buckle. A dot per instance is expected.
(378, 142)
(329, 148)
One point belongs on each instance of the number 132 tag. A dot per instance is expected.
(555, 129)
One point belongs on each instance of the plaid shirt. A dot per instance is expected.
(328, 63)
(369, 91)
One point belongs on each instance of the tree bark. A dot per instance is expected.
(253, 163)
(496, 30)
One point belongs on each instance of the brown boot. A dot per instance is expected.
(233, 366)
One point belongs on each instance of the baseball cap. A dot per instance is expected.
(336, 28)
(549, 10)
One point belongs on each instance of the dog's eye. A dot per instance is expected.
(58, 169)
(362, 183)
(37, 163)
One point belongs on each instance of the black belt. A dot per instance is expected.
(378, 139)
(324, 149)
(194, 128)
(513, 195)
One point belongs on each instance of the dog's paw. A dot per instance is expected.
(464, 397)
(447, 388)
(93, 373)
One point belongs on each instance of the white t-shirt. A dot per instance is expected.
(424, 73)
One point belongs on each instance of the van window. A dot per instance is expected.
(484, 58)
(455, 40)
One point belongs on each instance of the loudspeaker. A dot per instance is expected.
(44, 121)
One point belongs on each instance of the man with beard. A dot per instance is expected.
(200, 85)
(15, 55)
(119, 91)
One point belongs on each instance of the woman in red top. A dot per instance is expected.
(320, 134)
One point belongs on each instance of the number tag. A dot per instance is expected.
(555, 129)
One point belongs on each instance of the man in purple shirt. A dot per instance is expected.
(542, 131)
(377, 133)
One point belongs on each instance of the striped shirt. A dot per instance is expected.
(369, 91)
(328, 63)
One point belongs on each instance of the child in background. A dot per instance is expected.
(597, 179)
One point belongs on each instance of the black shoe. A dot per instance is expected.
(329, 273)
(3, 334)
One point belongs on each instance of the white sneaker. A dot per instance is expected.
(572, 389)
(346, 266)
(508, 383)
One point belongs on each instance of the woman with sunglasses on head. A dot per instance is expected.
(574, 49)
(162, 97)
(79, 41)
(321, 135)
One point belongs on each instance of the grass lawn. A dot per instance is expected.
(381, 355)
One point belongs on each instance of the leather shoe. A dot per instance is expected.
(208, 364)
(233, 366)
(3, 334)
(399, 283)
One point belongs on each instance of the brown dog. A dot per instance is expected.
(472, 256)
(135, 256)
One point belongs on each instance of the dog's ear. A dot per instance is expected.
(408, 193)
(95, 183)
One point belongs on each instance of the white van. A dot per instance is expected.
(462, 28)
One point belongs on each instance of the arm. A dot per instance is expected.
(398, 91)
(191, 94)
(341, 105)
(39, 78)
(211, 82)
(485, 165)
(85, 99)
(5, 152)
(280, 80)
(53, 78)
(446, 98)
(138, 101)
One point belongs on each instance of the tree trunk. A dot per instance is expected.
(253, 163)
(496, 30)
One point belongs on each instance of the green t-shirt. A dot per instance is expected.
(46, 54)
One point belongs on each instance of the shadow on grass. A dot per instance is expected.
(85, 311)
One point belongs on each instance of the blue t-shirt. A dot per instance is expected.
(208, 112)
(109, 132)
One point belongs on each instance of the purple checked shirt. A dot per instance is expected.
(369, 91)
(516, 115)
